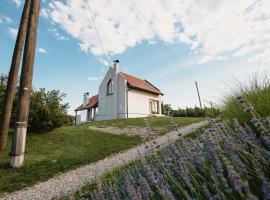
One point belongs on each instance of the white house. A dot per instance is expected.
(120, 95)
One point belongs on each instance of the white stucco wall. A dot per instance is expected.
(104, 101)
(122, 107)
(78, 119)
(112, 106)
(81, 116)
(138, 103)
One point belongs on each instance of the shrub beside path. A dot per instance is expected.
(69, 182)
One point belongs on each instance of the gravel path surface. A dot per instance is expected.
(73, 180)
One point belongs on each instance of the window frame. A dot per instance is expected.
(154, 106)
(110, 87)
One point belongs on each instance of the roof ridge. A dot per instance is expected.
(132, 76)
(140, 83)
(152, 85)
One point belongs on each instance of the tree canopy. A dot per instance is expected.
(47, 110)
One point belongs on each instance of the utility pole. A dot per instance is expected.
(13, 76)
(19, 135)
(198, 94)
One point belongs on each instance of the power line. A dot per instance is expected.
(96, 30)
(144, 12)
(143, 18)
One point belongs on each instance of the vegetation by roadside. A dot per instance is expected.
(256, 91)
(190, 112)
(58, 151)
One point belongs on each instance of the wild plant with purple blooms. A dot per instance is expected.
(225, 161)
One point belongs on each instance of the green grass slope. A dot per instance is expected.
(58, 151)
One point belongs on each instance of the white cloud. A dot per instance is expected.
(5, 19)
(208, 58)
(44, 13)
(13, 32)
(211, 28)
(42, 50)
(263, 56)
(17, 2)
(94, 78)
(58, 36)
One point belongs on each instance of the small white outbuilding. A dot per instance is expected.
(120, 95)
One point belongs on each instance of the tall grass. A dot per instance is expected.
(256, 91)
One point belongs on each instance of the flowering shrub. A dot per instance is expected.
(226, 161)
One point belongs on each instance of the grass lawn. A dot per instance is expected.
(184, 121)
(163, 125)
(120, 123)
(58, 151)
(156, 123)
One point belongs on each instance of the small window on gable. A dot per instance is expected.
(110, 87)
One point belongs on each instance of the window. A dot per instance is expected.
(154, 107)
(110, 87)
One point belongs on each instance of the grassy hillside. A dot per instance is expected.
(58, 151)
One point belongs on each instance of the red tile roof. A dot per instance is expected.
(93, 101)
(138, 83)
(79, 108)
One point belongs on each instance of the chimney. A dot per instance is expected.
(116, 66)
(85, 98)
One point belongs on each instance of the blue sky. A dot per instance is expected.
(170, 43)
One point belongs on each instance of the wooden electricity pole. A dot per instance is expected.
(13, 76)
(19, 135)
(198, 94)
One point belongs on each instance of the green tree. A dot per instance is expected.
(3, 84)
(47, 110)
(166, 109)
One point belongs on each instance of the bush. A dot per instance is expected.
(46, 109)
(191, 112)
(256, 91)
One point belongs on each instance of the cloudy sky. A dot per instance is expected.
(171, 43)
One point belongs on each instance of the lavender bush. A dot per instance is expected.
(226, 161)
